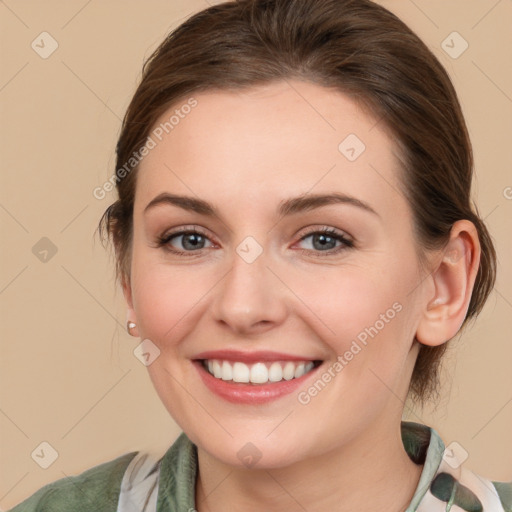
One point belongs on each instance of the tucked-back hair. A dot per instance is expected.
(354, 46)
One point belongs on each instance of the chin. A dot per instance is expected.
(252, 451)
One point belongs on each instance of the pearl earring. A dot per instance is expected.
(130, 326)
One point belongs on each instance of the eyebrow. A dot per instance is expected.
(287, 207)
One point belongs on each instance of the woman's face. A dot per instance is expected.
(258, 293)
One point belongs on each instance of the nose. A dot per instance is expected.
(251, 298)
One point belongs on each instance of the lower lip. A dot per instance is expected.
(246, 393)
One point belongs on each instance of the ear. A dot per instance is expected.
(130, 312)
(453, 278)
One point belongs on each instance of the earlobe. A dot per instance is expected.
(131, 327)
(453, 279)
(131, 319)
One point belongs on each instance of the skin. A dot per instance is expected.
(245, 152)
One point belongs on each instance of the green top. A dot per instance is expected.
(135, 483)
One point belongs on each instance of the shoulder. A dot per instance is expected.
(454, 484)
(504, 490)
(471, 492)
(445, 481)
(93, 490)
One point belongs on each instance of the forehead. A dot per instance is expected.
(271, 141)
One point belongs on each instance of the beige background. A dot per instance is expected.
(68, 374)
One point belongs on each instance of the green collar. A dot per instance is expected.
(178, 471)
(424, 446)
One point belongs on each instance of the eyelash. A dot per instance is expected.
(163, 241)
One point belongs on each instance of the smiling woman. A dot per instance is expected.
(298, 250)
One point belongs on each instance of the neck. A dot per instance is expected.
(372, 472)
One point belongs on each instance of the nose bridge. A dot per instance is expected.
(250, 297)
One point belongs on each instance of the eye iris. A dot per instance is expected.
(194, 237)
(324, 241)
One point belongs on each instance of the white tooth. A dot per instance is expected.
(227, 371)
(210, 366)
(308, 367)
(288, 371)
(259, 373)
(299, 371)
(241, 372)
(217, 369)
(275, 372)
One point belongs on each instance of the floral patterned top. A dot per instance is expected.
(137, 483)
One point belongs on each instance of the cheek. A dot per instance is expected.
(352, 304)
(367, 320)
(165, 300)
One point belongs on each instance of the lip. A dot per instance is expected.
(247, 393)
(251, 357)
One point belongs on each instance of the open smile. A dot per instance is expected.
(253, 378)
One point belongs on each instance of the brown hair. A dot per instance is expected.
(354, 46)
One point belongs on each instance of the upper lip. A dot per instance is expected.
(251, 357)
